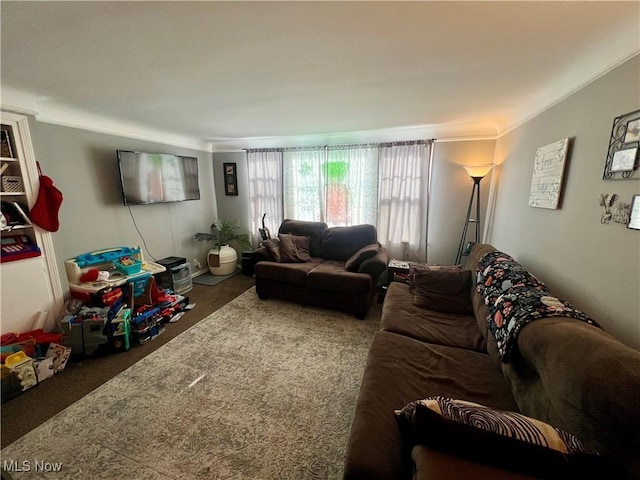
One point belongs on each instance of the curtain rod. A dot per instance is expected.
(344, 145)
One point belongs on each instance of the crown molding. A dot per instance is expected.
(48, 111)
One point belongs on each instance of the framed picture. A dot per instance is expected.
(634, 217)
(633, 131)
(624, 160)
(6, 143)
(624, 144)
(230, 179)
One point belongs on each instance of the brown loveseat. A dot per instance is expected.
(565, 372)
(339, 267)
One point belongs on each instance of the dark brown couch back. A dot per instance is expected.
(573, 376)
(339, 243)
(313, 230)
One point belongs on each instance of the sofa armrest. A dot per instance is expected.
(375, 265)
(260, 254)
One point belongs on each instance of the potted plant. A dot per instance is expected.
(222, 258)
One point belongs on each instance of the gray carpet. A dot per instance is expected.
(258, 390)
(211, 280)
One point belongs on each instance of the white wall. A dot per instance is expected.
(84, 167)
(594, 266)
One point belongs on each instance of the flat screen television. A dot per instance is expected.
(148, 178)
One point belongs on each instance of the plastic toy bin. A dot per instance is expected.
(139, 284)
(129, 266)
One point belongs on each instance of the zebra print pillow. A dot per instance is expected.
(503, 439)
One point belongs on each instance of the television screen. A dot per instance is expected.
(157, 178)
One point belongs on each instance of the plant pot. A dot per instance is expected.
(222, 261)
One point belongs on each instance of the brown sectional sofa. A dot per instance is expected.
(567, 373)
(323, 280)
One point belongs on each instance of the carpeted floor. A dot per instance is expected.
(258, 390)
(33, 407)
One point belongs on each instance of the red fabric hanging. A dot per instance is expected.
(44, 212)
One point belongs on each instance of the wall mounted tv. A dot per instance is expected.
(157, 178)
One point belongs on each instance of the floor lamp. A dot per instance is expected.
(477, 173)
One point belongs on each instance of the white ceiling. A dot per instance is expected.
(226, 75)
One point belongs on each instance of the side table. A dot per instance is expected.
(398, 271)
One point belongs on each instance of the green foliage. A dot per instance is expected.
(336, 171)
(223, 232)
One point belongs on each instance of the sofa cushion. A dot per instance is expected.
(400, 315)
(273, 248)
(294, 248)
(313, 230)
(340, 243)
(330, 276)
(399, 370)
(441, 288)
(289, 273)
(500, 438)
(368, 251)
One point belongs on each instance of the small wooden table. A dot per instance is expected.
(398, 271)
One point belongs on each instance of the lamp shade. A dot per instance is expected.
(477, 171)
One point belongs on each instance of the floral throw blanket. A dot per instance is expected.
(514, 298)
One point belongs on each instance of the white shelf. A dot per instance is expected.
(12, 194)
(17, 227)
(8, 159)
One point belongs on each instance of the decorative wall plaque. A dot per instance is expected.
(548, 172)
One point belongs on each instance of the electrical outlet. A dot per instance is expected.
(196, 264)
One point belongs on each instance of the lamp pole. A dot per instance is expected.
(477, 173)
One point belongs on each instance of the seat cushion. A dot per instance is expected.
(291, 273)
(401, 316)
(399, 370)
(330, 276)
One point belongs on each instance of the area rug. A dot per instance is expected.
(211, 280)
(258, 390)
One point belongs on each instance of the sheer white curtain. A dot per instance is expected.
(337, 185)
(403, 197)
(265, 189)
(351, 185)
(302, 177)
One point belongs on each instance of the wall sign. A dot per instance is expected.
(548, 172)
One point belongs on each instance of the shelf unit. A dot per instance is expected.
(12, 183)
(29, 285)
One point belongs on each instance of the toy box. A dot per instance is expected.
(128, 265)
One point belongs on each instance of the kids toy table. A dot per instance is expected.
(105, 260)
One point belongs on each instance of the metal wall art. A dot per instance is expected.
(624, 145)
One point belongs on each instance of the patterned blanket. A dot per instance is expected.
(514, 298)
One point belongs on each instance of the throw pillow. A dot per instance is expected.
(418, 268)
(503, 439)
(441, 288)
(294, 248)
(273, 247)
(368, 251)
